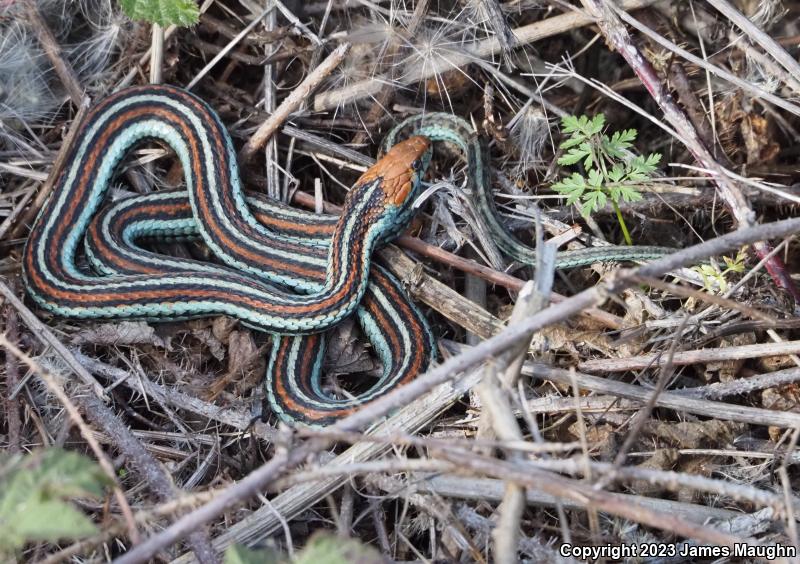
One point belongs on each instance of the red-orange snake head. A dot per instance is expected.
(400, 169)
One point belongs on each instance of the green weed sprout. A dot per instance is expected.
(715, 278)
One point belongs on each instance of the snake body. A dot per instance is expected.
(398, 332)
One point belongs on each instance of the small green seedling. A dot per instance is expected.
(612, 173)
(715, 278)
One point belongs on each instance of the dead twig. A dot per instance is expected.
(13, 421)
(676, 401)
(292, 102)
(681, 358)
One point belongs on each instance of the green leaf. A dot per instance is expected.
(69, 474)
(595, 179)
(571, 124)
(653, 159)
(51, 520)
(328, 549)
(596, 125)
(593, 201)
(574, 155)
(572, 187)
(616, 173)
(576, 139)
(32, 493)
(618, 143)
(640, 169)
(162, 12)
(628, 193)
(238, 554)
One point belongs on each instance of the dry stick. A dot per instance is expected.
(672, 400)
(483, 489)
(13, 422)
(55, 170)
(448, 370)
(720, 390)
(672, 481)
(585, 495)
(532, 298)
(292, 102)
(231, 44)
(270, 99)
(51, 48)
(43, 333)
(157, 54)
(759, 36)
(617, 35)
(498, 417)
(476, 51)
(60, 394)
(681, 358)
(402, 438)
(509, 513)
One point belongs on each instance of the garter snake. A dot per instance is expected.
(453, 129)
(375, 207)
(324, 258)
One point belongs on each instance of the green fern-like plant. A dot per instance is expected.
(611, 173)
(162, 12)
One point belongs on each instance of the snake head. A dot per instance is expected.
(400, 170)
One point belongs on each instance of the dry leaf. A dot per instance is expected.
(695, 434)
(662, 459)
(215, 347)
(122, 333)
